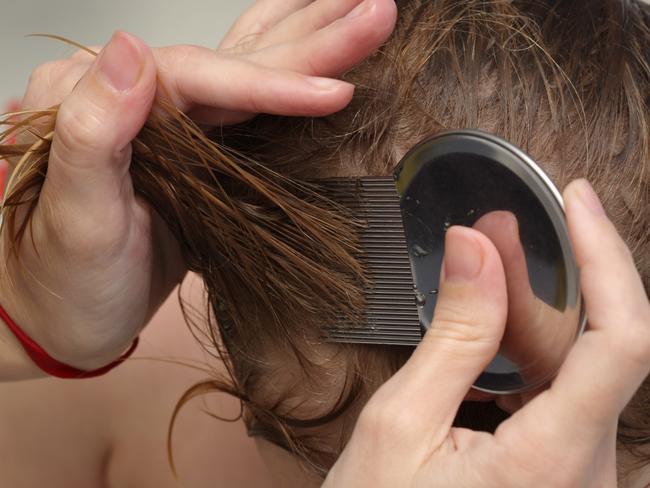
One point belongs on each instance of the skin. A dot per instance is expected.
(114, 428)
(566, 435)
(108, 423)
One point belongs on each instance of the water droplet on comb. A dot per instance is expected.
(418, 251)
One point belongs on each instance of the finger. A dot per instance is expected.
(611, 359)
(259, 18)
(313, 17)
(337, 47)
(464, 337)
(90, 151)
(52, 82)
(202, 77)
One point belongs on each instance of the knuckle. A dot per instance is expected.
(256, 27)
(39, 83)
(453, 311)
(459, 343)
(460, 323)
(458, 330)
(48, 84)
(182, 55)
(243, 46)
(47, 73)
(186, 51)
(172, 62)
(257, 21)
(249, 42)
(455, 332)
(40, 73)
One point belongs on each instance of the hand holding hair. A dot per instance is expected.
(96, 262)
(563, 437)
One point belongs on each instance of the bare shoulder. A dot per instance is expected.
(111, 431)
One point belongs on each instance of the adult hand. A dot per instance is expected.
(97, 262)
(566, 435)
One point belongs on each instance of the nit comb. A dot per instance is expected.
(468, 178)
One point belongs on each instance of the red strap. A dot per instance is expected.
(50, 365)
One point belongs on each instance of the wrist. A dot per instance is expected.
(41, 360)
(55, 332)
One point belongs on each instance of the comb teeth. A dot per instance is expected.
(391, 314)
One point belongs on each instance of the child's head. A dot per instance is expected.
(566, 81)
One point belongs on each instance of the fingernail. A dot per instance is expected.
(589, 198)
(463, 256)
(360, 9)
(120, 62)
(326, 84)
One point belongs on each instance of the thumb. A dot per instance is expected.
(90, 154)
(467, 327)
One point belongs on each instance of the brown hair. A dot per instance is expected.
(568, 81)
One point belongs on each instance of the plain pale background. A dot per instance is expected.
(91, 22)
